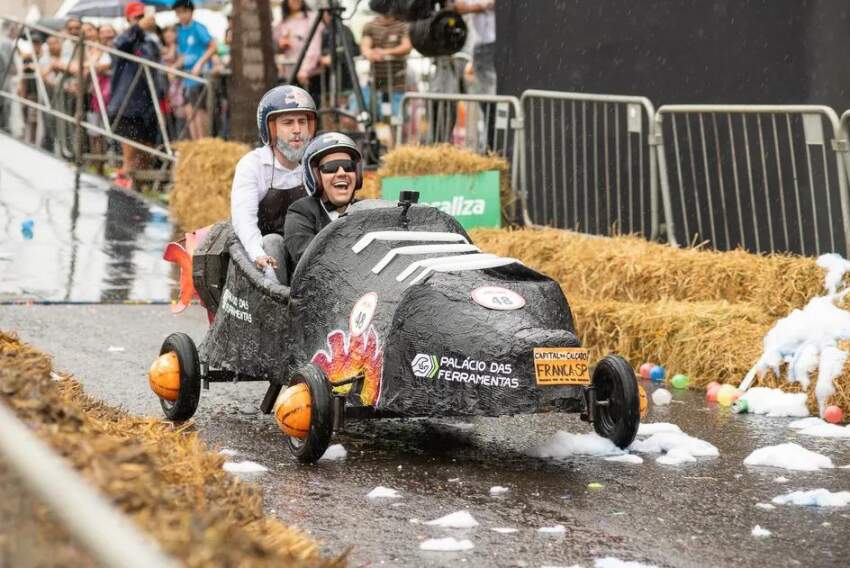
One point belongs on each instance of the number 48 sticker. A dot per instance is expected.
(497, 298)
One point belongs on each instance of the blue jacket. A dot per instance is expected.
(139, 104)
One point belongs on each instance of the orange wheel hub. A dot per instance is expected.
(292, 411)
(164, 376)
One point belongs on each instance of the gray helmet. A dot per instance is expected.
(285, 98)
(323, 145)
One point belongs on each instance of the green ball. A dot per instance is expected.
(679, 381)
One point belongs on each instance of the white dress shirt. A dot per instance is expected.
(255, 173)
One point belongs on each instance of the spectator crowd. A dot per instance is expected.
(139, 105)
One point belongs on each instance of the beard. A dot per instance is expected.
(290, 153)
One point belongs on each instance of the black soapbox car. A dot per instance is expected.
(391, 312)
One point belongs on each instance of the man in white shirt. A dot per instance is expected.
(483, 14)
(269, 179)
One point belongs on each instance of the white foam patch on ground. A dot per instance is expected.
(244, 467)
(815, 498)
(498, 490)
(228, 452)
(656, 428)
(626, 458)
(807, 340)
(448, 544)
(611, 562)
(564, 444)
(781, 479)
(456, 520)
(678, 448)
(820, 428)
(381, 492)
(766, 506)
(759, 532)
(504, 530)
(775, 403)
(334, 453)
(556, 529)
(789, 456)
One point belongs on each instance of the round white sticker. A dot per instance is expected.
(361, 315)
(497, 298)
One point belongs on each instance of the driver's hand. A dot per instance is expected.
(263, 261)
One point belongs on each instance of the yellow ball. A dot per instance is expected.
(292, 411)
(164, 376)
(726, 395)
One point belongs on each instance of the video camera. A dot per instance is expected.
(433, 32)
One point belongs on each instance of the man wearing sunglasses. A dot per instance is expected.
(332, 174)
(269, 179)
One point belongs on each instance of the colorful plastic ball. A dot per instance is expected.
(661, 397)
(713, 384)
(833, 414)
(726, 395)
(645, 370)
(711, 393)
(657, 373)
(679, 381)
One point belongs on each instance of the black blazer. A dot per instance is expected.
(304, 219)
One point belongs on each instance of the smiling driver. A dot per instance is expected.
(332, 173)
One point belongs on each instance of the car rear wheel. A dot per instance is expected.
(184, 407)
(616, 414)
(313, 446)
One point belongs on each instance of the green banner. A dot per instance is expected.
(472, 199)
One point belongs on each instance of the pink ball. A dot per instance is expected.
(645, 369)
(711, 393)
(833, 414)
(713, 384)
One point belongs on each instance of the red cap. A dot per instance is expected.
(134, 10)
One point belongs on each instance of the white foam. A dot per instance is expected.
(789, 456)
(676, 456)
(381, 492)
(334, 453)
(498, 490)
(835, 266)
(815, 498)
(564, 444)
(826, 430)
(804, 423)
(775, 403)
(657, 427)
(244, 467)
(448, 544)
(781, 479)
(228, 452)
(556, 529)
(766, 506)
(759, 532)
(680, 447)
(456, 520)
(504, 530)
(626, 458)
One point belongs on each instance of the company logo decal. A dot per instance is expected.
(464, 370)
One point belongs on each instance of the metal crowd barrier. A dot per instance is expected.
(50, 104)
(765, 178)
(483, 123)
(88, 526)
(589, 162)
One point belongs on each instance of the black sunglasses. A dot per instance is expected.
(348, 166)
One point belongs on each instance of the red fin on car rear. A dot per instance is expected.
(180, 253)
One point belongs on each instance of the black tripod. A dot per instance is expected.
(338, 38)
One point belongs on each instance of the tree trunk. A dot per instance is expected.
(253, 66)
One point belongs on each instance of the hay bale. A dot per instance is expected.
(629, 268)
(202, 179)
(162, 476)
(706, 340)
(445, 159)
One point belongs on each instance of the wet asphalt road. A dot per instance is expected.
(697, 514)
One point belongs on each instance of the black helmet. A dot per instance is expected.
(323, 145)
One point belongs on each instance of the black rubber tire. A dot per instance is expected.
(190, 377)
(311, 448)
(614, 381)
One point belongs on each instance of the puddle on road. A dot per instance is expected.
(88, 243)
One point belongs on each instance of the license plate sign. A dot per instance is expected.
(561, 366)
